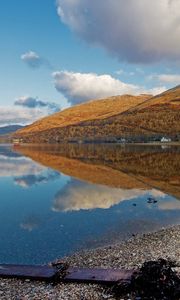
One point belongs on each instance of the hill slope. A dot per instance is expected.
(92, 110)
(135, 118)
(169, 97)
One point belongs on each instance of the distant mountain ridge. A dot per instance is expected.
(131, 118)
(10, 129)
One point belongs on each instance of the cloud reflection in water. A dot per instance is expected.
(33, 179)
(77, 195)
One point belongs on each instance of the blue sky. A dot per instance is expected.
(66, 52)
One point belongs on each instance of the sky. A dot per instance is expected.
(55, 54)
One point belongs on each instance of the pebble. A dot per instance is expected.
(128, 254)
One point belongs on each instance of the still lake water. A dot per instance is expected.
(56, 200)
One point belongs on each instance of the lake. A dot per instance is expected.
(58, 199)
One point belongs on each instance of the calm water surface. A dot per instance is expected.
(56, 200)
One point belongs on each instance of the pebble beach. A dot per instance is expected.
(128, 254)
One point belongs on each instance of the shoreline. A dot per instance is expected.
(150, 143)
(129, 254)
(103, 256)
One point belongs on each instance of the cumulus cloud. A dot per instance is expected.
(32, 102)
(122, 72)
(35, 61)
(79, 87)
(166, 78)
(157, 90)
(77, 195)
(32, 59)
(26, 110)
(21, 115)
(29, 102)
(133, 30)
(13, 115)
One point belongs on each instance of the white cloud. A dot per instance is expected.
(32, 102)
(21, 115)
(29, 102)
(32, 59)
(26, 110)
(120, 72)
(134, 30)
(79, 87)
(166, 78)
(35, 61)
(157, 90)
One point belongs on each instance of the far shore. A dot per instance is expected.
(97, 143)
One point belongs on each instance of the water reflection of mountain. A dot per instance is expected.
(125, 167)
(6, 151)
(25, 172)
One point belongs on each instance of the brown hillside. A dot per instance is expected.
(158, 115)
(170, 97)
(135, 118)
(92, 110)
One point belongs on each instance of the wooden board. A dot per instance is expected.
(27, 272)
(105, 276)
(74, 274)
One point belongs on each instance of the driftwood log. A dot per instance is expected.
(154, 280)
(63, 273)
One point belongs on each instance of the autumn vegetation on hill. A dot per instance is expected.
(133, 118)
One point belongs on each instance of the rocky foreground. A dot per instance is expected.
(129, 254)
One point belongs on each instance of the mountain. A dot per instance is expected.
(133, 118)
(92, 110)
(10, 129)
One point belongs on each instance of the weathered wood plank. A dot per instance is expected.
(35, 272)
(97, 275)
(74, 274)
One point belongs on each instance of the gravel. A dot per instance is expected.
(129, 254)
